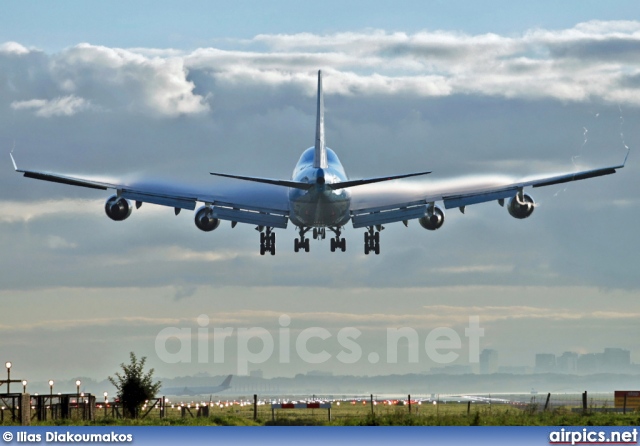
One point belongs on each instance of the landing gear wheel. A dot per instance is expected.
(343, 245)
(315, 233)
(267, 241)
(333, 245)
(306, 245)
(296, 246)
(372, 240)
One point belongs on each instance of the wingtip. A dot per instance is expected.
(626, 156)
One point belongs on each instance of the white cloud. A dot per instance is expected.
(60, 106)
(119, 78)
(21, 211)
(13, 48)
(538, 64)
(57, 242)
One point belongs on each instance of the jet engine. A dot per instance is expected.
(433, 220)
(117, 208)
(205, 221)
(521, 206)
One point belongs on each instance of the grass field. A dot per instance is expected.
(349, 414)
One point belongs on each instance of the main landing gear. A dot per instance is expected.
(337, 242)
(267, 240)
(372, 239)
(303, 242)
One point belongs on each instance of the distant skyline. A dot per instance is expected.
(459, 88)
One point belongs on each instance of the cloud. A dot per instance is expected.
(60, 106)
(13, 48)
(88, 77)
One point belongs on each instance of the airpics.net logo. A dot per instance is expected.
(590, 436)
(442, 345)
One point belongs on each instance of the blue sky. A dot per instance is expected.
(192, 24)
(460, 88)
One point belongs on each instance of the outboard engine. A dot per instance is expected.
(117, 208)
(433, 220)
(205, 221)
(521, 208)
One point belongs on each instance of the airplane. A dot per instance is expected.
(319, 197)
(195, 391)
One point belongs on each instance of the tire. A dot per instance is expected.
(306, 245)
(343, 245)
(366, 249)
(296, 246)
(333, 245)
(315, 233)
(262, 249)
(377, 248)
(272, 238)
(262, 238)
(273, 249)
(376, 238)
(366, 238)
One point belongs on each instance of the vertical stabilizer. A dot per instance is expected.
(320, 154)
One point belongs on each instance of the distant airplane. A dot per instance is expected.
(194, 391)
(319, 197)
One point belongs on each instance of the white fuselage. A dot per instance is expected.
(319, 206)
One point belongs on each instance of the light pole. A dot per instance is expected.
(78, 382)
(24, 386)
(106, 400)
(51, 397)
(8, 366)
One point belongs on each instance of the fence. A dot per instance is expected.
(267, 409)
(24, 408)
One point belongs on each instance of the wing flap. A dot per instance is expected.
(163, 200)
(250, 217)
(384, 215)
(456, 201)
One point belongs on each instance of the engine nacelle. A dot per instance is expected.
(433, 220)
(117, 208)
(521, 208)
(205, 221)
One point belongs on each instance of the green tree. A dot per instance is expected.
(134, 386)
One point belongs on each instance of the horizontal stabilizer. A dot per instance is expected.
(286, 183)
(353, 183)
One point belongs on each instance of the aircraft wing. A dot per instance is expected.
(379, 205)
(257, 204)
